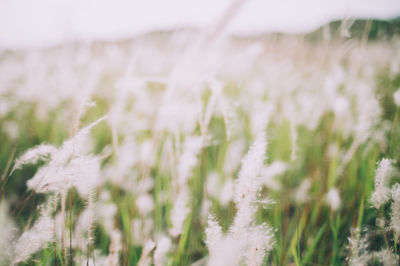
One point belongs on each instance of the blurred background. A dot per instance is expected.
(44, 22)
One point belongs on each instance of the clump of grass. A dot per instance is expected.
(165, 180)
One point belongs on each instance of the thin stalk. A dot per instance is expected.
(63, 234)
(70, 227)
(55, 233)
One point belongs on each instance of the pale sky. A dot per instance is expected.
(32, 23)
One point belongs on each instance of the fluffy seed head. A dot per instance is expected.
(382, 179)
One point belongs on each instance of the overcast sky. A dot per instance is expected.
(27, 23)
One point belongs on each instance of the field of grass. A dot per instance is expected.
(167, 176)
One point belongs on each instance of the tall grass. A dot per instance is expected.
(112, 155)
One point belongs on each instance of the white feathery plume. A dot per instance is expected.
(213, 186)
(386, 257)
(383, 175)
(105, 211)
(226, 194)
(260, 238)
(115, 248)
(396, 97)
(227, 114)
(83, 231)
(8, 233)
(369, 113)
(395, 215)
(204, 210)
(145, 259)
(145, 204)
(32, 156)
(146, 153)
(179, 212)
(79, 240)
(216, 90)
(247, 185)
(269, 173)
(358, 249)
(301, 194)
(81, 172)
(332, 198)
(234, 154)
(160, 254)
(293, 138)
(245, 241)
(261, 114)
(229, 251)
(142, 230)
(120, 173)
(69, 166)
(218, 189)
(35, 238)
(368, 117)
(213, 234)
(188, 159)
(77, 145)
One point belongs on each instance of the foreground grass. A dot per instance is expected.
(307, 231)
